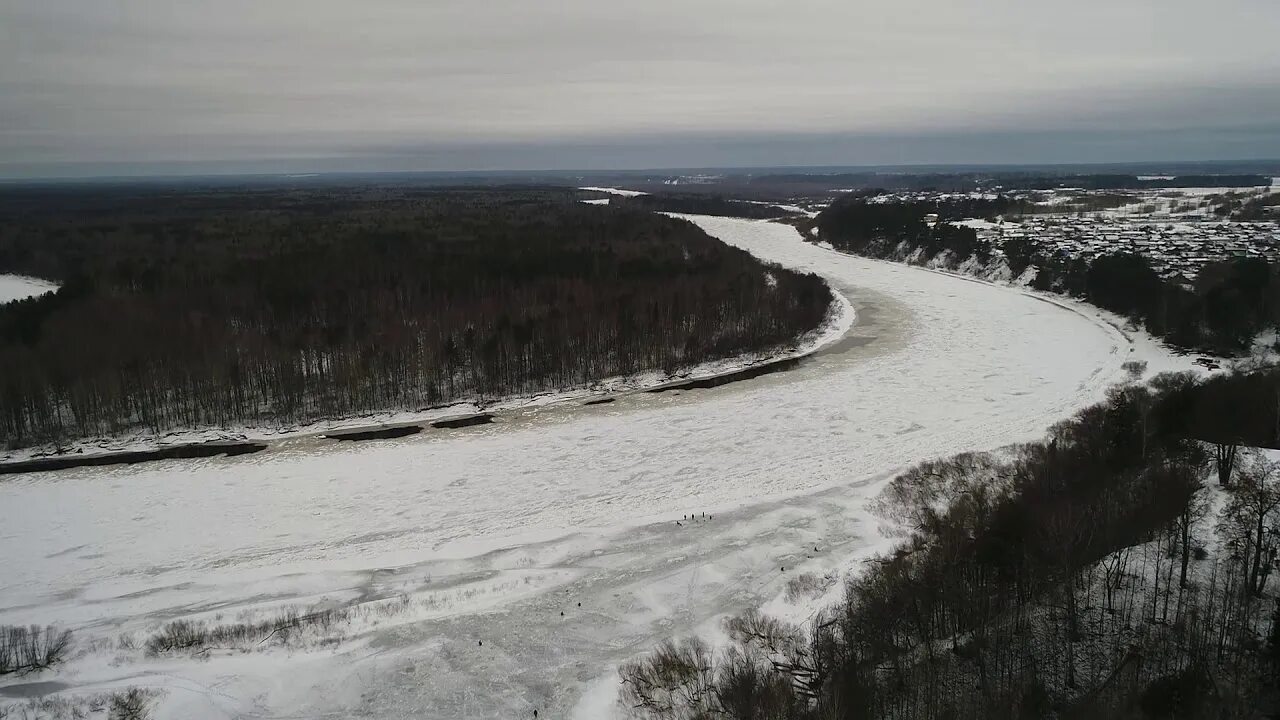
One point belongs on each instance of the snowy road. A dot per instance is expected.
(491, 532)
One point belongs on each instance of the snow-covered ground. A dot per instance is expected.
(495, 534)
(615, 191)
(17, 287)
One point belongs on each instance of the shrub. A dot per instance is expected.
(807, 585)
(197, 636)
(132, 704)
(177, 635)
(1135, 368)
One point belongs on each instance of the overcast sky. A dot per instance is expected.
(96, 86)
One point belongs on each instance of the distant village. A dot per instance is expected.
(1179, 231)
(1174, 247)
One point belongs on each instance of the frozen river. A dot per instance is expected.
(17, 287)
(489, 534)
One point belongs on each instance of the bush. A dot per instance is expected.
(1135, 368)
(177, 635)
(807, 585)
(132, 704)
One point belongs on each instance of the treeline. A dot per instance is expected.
(692, 204)
(1134, 182)
(1266, 207)
(941, 182)
(1227, 306)
(196, 309)
(970, 181)
(860, 224)
(1222, 311)
(1086, 576)
(1078, 203)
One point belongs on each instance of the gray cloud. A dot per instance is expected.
(450, 84)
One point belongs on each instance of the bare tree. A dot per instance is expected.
(1183, 480)
(1114, 567)
(675, 681)
(24, 649)
(1254, 500)
(1225, 461)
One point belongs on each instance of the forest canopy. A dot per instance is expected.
(197, 308)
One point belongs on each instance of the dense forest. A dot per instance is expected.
(860, 224)
(216, 308)
(1226, 307)
(1102, 573)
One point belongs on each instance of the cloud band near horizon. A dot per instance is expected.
(89, 85)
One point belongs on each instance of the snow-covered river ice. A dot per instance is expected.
(17, 287)
(550, 536)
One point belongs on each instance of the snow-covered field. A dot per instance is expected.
(551, 536)
(17, 287)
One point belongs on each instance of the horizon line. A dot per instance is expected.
(667, 170)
